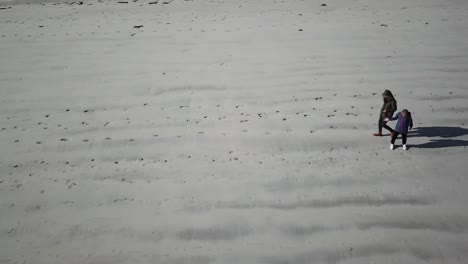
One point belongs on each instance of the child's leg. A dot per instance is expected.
(403, 137)
(394, 137)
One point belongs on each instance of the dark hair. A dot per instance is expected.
(387, 93)
(406, 111)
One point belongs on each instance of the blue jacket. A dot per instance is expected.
(403, 123)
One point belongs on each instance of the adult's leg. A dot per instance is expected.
(380, 124)
(394, 137)
(384, 124)
(403, 137)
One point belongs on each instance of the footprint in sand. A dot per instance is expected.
(70, 184)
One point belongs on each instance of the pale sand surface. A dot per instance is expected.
(220, 133)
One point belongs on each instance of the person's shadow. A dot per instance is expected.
(446, 133)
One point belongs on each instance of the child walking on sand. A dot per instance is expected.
(404, 122)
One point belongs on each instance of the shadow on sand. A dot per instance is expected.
(447, 133)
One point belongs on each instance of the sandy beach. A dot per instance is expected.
(232, 132)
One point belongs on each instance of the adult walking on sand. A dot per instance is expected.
(388, 108)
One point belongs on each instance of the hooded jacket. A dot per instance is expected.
(403, 123)
(390, 105)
